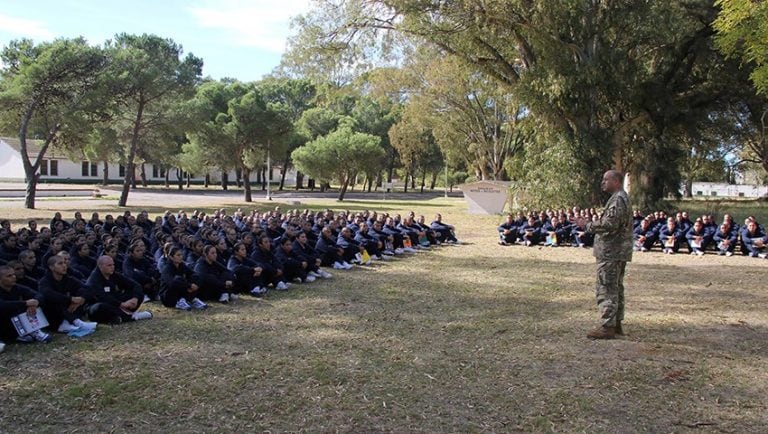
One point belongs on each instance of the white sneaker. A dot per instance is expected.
(761, 255)
(310, 278)
(388, 252)
(281, 286)
(325, 274)
(183, 305)
(146, 299)
(346, 265)
(67, 327)
(728, 253)
(85, 324)
(233, 296)
(141, 315)
(399, 251)
(198, 304)
(2, 347)
(699, 253)
(224, 298)
(337, 266)
(257, 291)
(298, 279)
(314, 274)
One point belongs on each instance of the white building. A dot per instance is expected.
(58, 167)
(719, 189)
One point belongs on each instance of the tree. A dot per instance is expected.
(340, 155)
(610, 89)
(150, 79)
(742, 33)
(44, 91)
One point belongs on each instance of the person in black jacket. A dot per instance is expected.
(295, 268)
(302, 248)
(15, 300)
(248, 274)
(216, 282)
(64, 298)
(272, 269)
(137, 267)
(178, 283)
(111, 297)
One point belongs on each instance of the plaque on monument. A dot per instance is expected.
(486, 197)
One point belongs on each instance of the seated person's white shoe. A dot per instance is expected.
(224, 298)
(310, 278)
(182, 304)
(198, 304)
(85, 324)
(67, 327)
(141, 315)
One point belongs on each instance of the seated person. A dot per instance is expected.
(445, 232)
(352, 249)
(554, 232)
(698, 238)
(21, 275)
(530, 232)
(137, 267)
(295, 268)
(29, 259)
(508, 231)
(754, 239)
(303, 249)
(112, 298)
(645, 237)
(215, 281)
(371, 244)
(64, 298)
(248, 278)
(272, 270)
(329, 252)
(725, 239)
(15, 300)
(178, 283)
(670, 237)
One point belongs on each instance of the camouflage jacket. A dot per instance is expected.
(613, 232)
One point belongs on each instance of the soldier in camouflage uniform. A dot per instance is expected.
(613, 249)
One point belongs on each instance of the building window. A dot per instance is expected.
(714, 193)
(94, 170)
(699, 193)
(158, 171)
(54, 169)
(44, 167)
(84, 168)
(741, 194)
(121, 170)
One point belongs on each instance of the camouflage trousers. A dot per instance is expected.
(609, 291)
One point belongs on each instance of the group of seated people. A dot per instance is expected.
(669, 234)
(81, 273)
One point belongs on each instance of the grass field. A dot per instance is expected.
(471, 338)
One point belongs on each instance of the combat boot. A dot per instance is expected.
(602, 332)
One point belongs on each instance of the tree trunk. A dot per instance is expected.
(29, 199)
(263, 179)
(167, 178)
(423, 180)
(433, 182)
(247, 184)
(105, 174)
(413, 180)
(180, 178)
(283, 172)
(206, 181)
(688, 190)
(405, 184)
(224, 180)
(130, 168)
(239, 177)
(143, 175)
(343, 189)
(189, 180)
(299, 181)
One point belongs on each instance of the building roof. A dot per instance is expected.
(33, 148)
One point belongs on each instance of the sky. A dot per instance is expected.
(242, 39)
